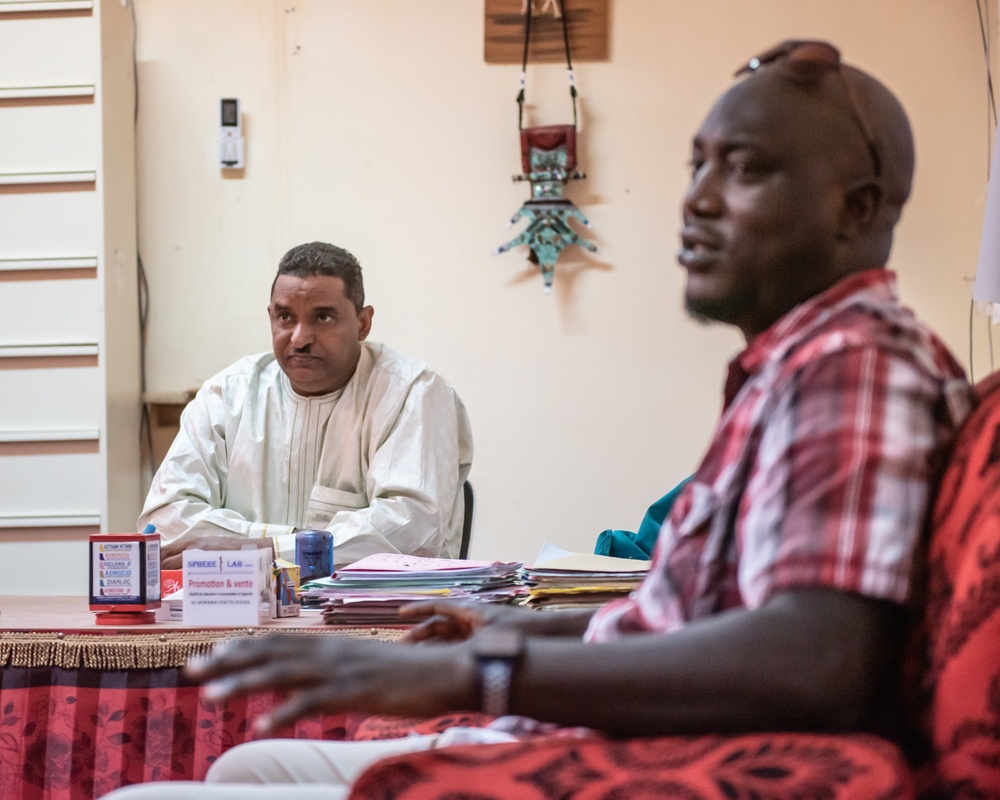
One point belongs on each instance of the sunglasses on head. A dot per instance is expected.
(805, 62)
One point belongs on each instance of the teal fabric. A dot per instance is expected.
(639, 545)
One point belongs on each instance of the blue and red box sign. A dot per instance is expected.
(125, 573)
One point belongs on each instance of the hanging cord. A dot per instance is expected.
(569, 61)
(991, 118)
(991, 123)
(972, 366)
(145, 422)
(524, 62)
(989, 334)
(524, 68)
(983, 25)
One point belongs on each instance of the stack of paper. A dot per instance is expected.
(171, 607)
(580, 580)
(371, 591)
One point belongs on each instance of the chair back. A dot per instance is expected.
(470, 504)
(959, 660)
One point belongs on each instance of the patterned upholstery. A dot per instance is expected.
(954, 678)
(959, 665)
(370, 728)
(726, 768)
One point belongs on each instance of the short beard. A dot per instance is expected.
(697, 315)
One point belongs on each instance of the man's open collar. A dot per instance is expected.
(876, 285)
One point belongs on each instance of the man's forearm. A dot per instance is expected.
(806, 662)
(554, 623)
(194, 518)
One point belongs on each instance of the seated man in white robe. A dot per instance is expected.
(330, 431)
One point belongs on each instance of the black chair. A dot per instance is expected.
(470, 503)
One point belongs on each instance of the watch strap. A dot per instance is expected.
(495, 677)
(498, 652)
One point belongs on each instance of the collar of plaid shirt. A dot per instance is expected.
(774, 343)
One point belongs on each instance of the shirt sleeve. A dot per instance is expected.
(186, 495)
(840, 491)
(418, 458)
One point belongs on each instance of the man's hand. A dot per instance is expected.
(332, 673)
(455, 621)
(170, 554)
(444, 622)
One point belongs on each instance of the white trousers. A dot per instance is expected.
(318, 770)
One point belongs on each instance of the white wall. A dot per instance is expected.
(377, 126)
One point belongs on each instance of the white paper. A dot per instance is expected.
(228, 588)
(551, 557)
(988, 268)
(549, 552)
(400, 562)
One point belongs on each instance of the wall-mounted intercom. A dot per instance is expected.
(230, 134)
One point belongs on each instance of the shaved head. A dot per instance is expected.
(890, 128)
(800, 173)
(850, 105)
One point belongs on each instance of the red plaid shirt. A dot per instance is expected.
(835, 423)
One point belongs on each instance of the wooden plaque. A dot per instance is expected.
(504, 31)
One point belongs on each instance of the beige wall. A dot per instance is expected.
(376, 125)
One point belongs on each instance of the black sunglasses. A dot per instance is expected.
(805, 62)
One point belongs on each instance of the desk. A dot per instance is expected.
(86, 709)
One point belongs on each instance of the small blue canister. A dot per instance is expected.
(314, 554)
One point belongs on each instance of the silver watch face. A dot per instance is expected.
(494, 677)
(498, 642)
(495, 671)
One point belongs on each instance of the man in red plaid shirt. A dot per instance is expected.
(777, 596)
(839, 412)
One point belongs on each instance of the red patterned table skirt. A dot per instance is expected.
(76, 734)
(84, 711)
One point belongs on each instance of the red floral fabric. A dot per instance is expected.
(958, 683)
(77, 734)
(757, 767)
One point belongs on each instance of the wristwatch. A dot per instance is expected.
(498, 652)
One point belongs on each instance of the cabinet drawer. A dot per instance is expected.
(57, 478)
(42, 394)
(45, 561)
(46, 50)
(48, 138)
(49, 224)
(60, 311)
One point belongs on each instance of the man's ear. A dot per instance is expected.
(862, 203)
(365, 322)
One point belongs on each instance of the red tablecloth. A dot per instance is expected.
(84, 710)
